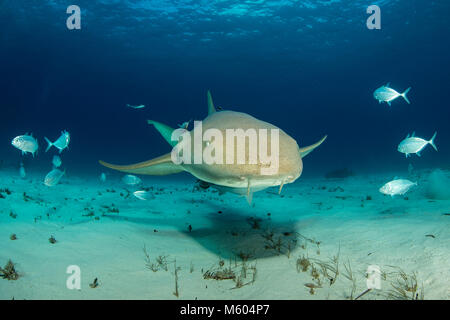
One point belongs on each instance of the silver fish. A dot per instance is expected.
(56, 161)
(386, 94)
(26, 143)
(131, 180)
(397, 187)
(61, 143)
(413, 144)
(141, 106)
(142, 195)
(103, 177)
(53, 177)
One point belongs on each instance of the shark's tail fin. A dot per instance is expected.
(404, 95)
(432, 142)
(160, 166)
(49, 144)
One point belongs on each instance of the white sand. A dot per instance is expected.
(384, 232)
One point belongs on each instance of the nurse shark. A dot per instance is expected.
(239, 178)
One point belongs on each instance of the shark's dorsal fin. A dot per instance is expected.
(306, 150)
(165, 131)
(211, 108)
(160, 166)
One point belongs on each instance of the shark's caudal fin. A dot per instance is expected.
(432, 141)
(49, 144)
(404, 95)
(160, 166)
(211, 108)
(306, 150)
(165, 131)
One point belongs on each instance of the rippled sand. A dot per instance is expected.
(104, 229)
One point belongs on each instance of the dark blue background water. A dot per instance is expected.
(308, 67)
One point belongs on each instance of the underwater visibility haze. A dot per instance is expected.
(112, 80)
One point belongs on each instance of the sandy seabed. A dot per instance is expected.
(314, 241)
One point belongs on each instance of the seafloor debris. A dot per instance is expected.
(5, 190)
(303, 264)
(255, 223)
(221, 274)
(405, 286)
(237, 272)
(311, 287)
(94, 284)
(176, 293)
(111, 209)
(160, 262)
(9, 271)
(52, 239)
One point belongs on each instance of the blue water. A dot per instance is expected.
(309, 67)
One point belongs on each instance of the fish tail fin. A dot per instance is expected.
(432, 141)
(404, 95)
(49, 144)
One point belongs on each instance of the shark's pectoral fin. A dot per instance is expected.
(306, 150)
(160, 166)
